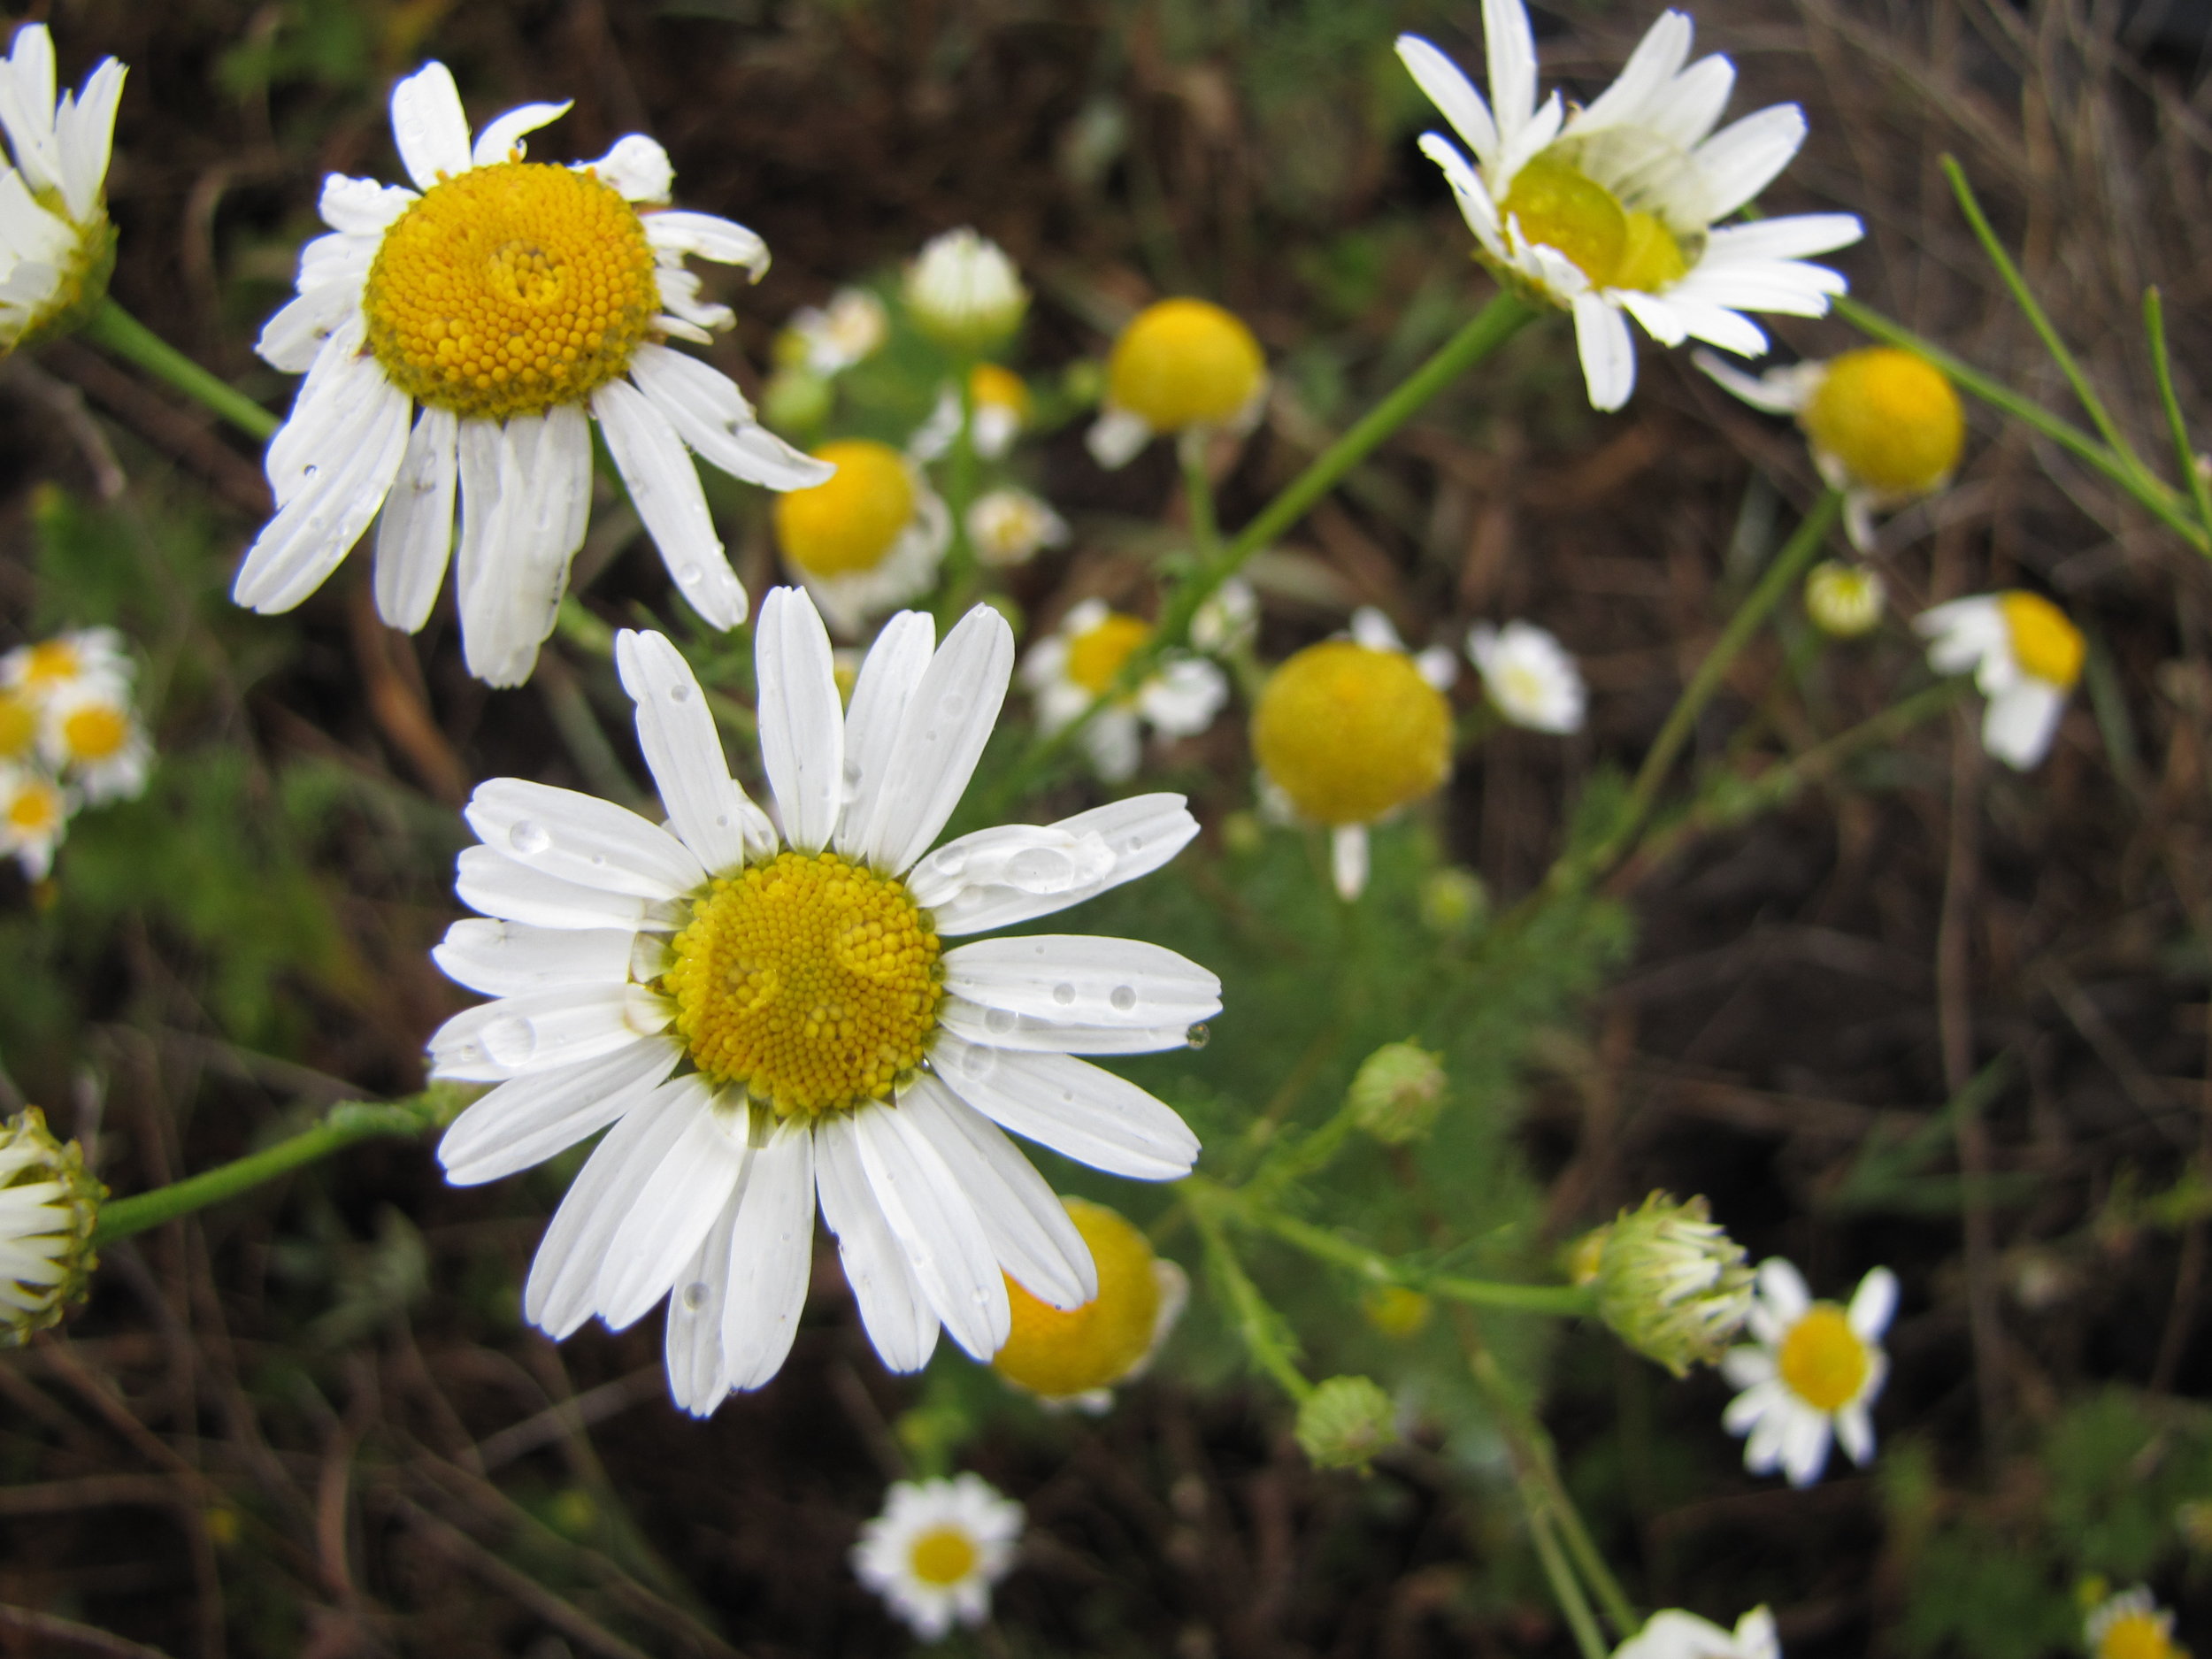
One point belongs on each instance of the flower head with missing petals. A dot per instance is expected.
(937, 1549)
(2025, 654)
(1180, 365)
(1813, 1374)
(458, 340)
(1077, 1356)
(1078, 662)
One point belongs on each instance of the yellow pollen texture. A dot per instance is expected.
(508, 289)
(992, 386)
(943, 1556)
(1890, 418)
(1563, 209)
(1182, 363)
(1060, 1353)
(1823, 1360)
(94, 733)
(847, 523)
(2044, 643)
(2136, 1636)
(810, 980)
(1351, 733)
(1095, 654)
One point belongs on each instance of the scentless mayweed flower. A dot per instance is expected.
(1076, 664)
(1670, 1283)
(1884, 425)
(1675, 1634)
(1614, 211)
(2130, 1625)
(2026, 657)
(1010, 527)
(827, 340)
(35, 813)
(763, 1012)
(1814, 1372)
(1001, 409)
(936, 1550)
(868, 538)
(49, 1203)
(1528, 675)
(1844, 600)
(1350, 731)
(1346, 1422)
(511, 303)
(57, 247)
(1076, 1356)
(964, 293)
(1180, 365)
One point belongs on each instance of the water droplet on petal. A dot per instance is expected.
(511, 1040)
(680, 693)
(688, 575)
(528, 837)
(1123, 997)
(1064, 993)
(1198, 1036)
(694, 1296)
(998, 1022)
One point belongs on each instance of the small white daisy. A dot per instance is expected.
(1814, 1374)
(1675, 1634)
(1011, 526)
(1530, 678)
(1074, 1358)
(90, 734)
(2025, 656)
(1001, 409)
(829, 339)
(764, 1011)
(512, 303)
(48, 1205)
(90, 657)
(35, 813)
(936, 1550)
(1614, 211)
(56, 243)
(866, 540)
(2131, 1625)
(1076, 663)
(1229, 621)
(963, 292)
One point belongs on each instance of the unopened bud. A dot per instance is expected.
(1397, 1092)
(1452, 902)
(1844, 600)
(1670, 1283)
(963, 292)
(49, 1203)
(1344, 1423)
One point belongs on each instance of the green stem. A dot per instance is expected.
(342, 1126)
(961, 564)
(2177, 423)
(1198, 493)
(1565, 1590)
(122, 334)
(1265, 1337)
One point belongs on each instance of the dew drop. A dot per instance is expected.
(1197, 1036)
(680, 693)
(528, 837)
(1064, 993)
(998, 1022)
(511, 1040)
(694, 1296)
(1123, 997)
(688, 575)
(599, 861)
(312, 470)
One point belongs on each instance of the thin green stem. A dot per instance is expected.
(112, 327)
(1564, 1589)
(1266, 1338)
(961, 565)
(342, 1126)
(2177, 423)
(1198, 494)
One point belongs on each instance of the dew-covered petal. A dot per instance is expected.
(500, 140)
(1078, 1111)
(691, 1340)
(995, 877)
(581, 839)
(513, 1035)
(722, 240)
(948, 720)
(429, 127)
(710, 414)
(1001, 1028)
(526, 1119)
(414, 536)
(894, 1310)
(488, 880)
(501, 958)
(937, 1227)
(664, 486)
(802, 720)
(772, 1255)
(1083, 977)
(712, 814)
(637, 168)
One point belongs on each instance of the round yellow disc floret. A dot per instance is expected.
(1890, 419)
(1822, 1359)
(812, 981)
(849, 522)
(995, 387)
(1351, 733)
(2138, 1634)
(2044, 643)
(96, 731)
(19, 724)
(508, 289)
(1095, 654)
(1562, 208)
(35, 809)
(1060, 1353)
(943, 1556)
(1183, 363)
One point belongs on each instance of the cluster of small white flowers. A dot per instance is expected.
(69, 737)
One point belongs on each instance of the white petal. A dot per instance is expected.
(1718, 325)
(691, 1342)
(526, 1119)
(501, 139)
(889, 674)
(664, 486)
(1873, 1304)
(894, 1310)
(510, 958)
(1804, 1447)
(582, 838)
(363, 208)
(488, 880)
(1659, 318)
(1742, 158)
(995, 877)
(513, 572)
(1027, 1033)
(293, 338)
(709, 811)
(2020, 722)
(720, 240)
(1080, 1111)
(801, 722)
(1347, 860)
(937, 1228)
(1083, 977)
(772, 1256)
(1452, 93)
(710, 414)
(1511, 48)
(1791, 287)
(414, 537)
(685, 1191)
(1475, 204)
(1691, 108)
(343, 488)
(1745, 1366)
(1854, 1432)
(1794, 237)
(1608, 353)
(1648, 73)
(636, 167)
(542, 1031)
(429, 125)
(1028, 1227)
(1783, 1289)
(1116, 437)
(948, 720)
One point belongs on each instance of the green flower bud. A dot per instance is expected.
(795, 402)
(1454, 901)
(1670, 1283)
(964, 293)
(47, 1204)
(1345, 1421)
(1397, 1093)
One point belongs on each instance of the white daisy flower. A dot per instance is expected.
(936, 1550)
(89, 731)
(1074, 1358)
(88, 657)
(1530, 678)
(867, 539)
(501, 307)
(1229, 621)
(1001, 409)
(829, 339)
(49, 1203)
(2026, 656)
(1011, 526)
(35, 813)
(1816, 1371)
(1614, 211)
(764, 1010)
(963, 292)
(55, 244)
(1675, 1634)
(1075, 664)
(2131, 1625)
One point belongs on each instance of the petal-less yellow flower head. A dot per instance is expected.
(19, 724)
(812, 981)
(995, 387)
(1823, 1360)
(847, 523)
(510, 288)
(94, 732)
(1561, 207)
(1184, 362)
(1889, 418)
(943, 1555)
(1060, 1354)
(2044, 643)
(1351, 733)
(1396, 1310)
(1844, 600)
(1096, 655)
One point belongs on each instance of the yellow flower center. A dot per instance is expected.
(1396, 1311)
(810, 980)
(35, 809)
(1562, 208)
(1890, 418)
(96, 731)
(2044, 643)
(847, 523)
(51, 663)
(943, 1556)
(1351, 733)
(993, 387)
(508, 289)
(1095, 654)
(1183, 363)
(19, 724)
(1823, 1360)
(1059, 1353)
(2136, 1636)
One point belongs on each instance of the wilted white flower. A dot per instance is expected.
(1078, 662)
(1670, 1283)
(2026, 656)
(1814, 1374)
(1529, 676)
(936, 1550)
